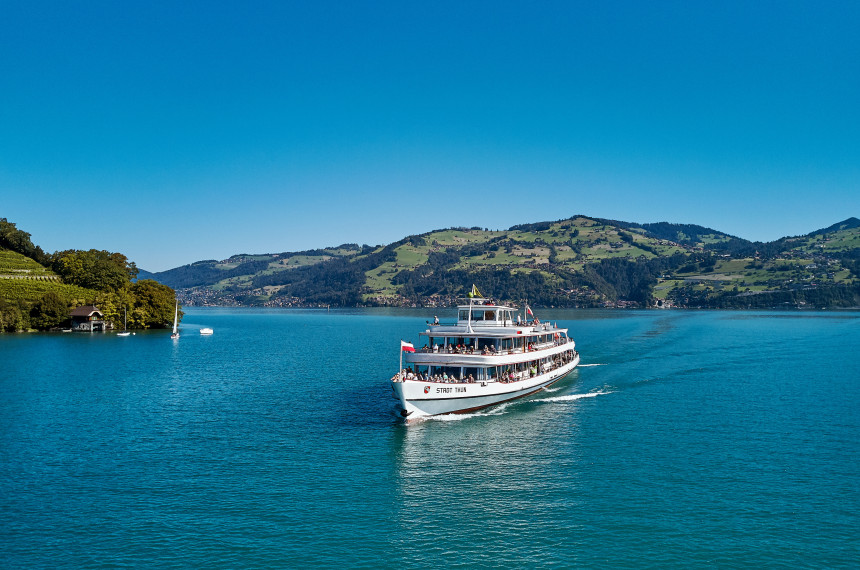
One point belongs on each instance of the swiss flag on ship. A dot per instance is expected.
(529, 310)
(406, 346)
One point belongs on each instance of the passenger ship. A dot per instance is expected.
(490, 356)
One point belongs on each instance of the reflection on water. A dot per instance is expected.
(491, 473)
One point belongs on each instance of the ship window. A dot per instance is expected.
(451, 371)
(489, 315)
(464, 315)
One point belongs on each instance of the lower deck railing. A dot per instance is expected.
(508, 377)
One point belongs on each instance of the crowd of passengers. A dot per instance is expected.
(505, 376)
(470, 349)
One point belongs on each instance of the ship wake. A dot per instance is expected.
(572, 397)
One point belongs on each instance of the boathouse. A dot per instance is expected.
(88, 319)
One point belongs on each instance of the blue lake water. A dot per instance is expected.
(686, 439)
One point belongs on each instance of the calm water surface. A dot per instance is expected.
(686, 439)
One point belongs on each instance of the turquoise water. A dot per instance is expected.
(687, 439)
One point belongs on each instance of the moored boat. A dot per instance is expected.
(124, 324)
(491, 355)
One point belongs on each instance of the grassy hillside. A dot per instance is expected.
(22, 278)
(16, 265)
(580, 261)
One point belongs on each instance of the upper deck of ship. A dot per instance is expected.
(486, 318)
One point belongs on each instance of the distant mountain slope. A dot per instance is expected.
(849, 224)
(212, 272)
(687, 234)
(578, 261)
(143, 274)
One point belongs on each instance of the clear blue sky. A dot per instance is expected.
(180, 131)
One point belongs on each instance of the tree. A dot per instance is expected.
(153, 304)
(111, 303)
(94, 269)
(49, 311)
(19, 241)
(12, 318)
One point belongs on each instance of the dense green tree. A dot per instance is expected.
(19, 241)
(94, 269)
(12, 317)
(111, 304)
(153, 304)
(49, 311)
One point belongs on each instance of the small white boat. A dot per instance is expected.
(124, 324)
(206, 331)
(175, 333)
(490, 356)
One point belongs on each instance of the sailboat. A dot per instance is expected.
(175, 321)
(124, 324)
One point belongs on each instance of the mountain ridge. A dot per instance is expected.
(578, 261)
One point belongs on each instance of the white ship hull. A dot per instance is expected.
(422, 398)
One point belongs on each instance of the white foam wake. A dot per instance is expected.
(588, 365)
(493, 411)
(571, 397)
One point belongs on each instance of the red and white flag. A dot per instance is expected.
(406, 346)
(529, 310)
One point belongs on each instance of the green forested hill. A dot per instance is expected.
(38, 290)
(580, 261)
